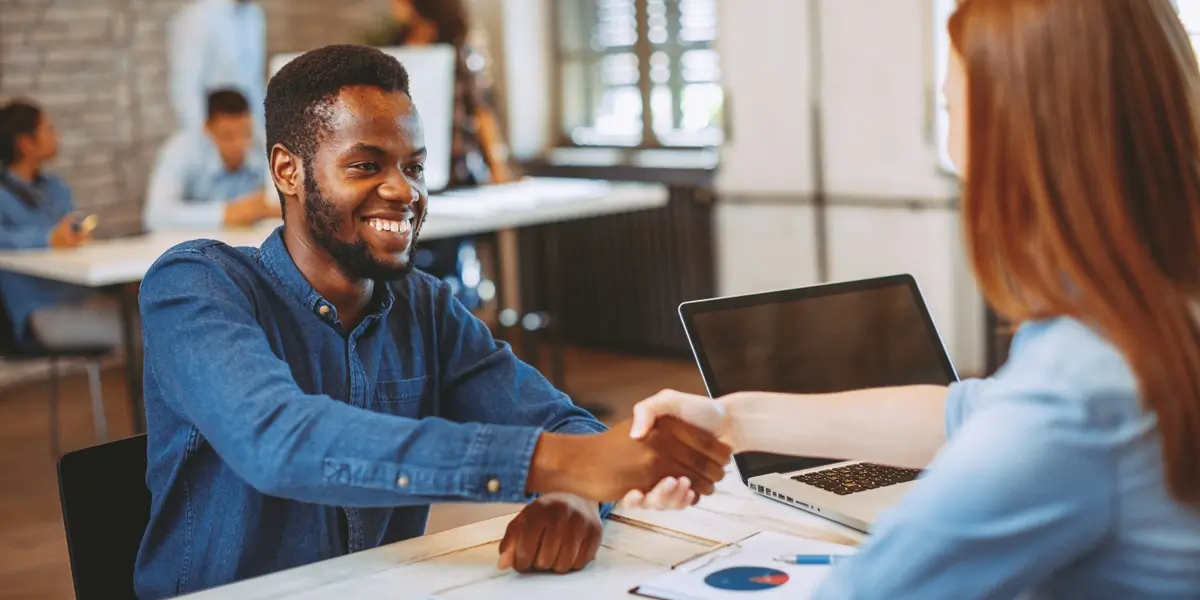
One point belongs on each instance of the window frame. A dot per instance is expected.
(643, 50)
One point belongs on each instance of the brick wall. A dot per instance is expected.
(100, 68)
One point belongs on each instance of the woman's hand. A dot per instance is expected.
(669, 494)
(701, 411)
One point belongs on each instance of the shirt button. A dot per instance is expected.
(324, 310)
(494, 486)
(402, 482)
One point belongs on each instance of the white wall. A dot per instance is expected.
(877, 79)
(768, 150)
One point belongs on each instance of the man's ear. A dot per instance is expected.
(286, 171)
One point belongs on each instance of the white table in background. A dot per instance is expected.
(116, 264)
(460, 564)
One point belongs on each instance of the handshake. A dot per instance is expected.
(663, 458)
(669, 455)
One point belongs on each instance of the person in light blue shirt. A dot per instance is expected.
(216, 44)
(213, 177)
(37, 211)
(1073, 472)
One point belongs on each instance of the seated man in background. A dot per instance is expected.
(312, 397)
(37, 211)
(211, 177)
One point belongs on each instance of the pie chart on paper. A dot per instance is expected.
(746, 579)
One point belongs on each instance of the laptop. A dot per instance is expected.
(815, 340)
(431, 82)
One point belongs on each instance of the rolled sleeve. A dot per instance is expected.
(494, 467)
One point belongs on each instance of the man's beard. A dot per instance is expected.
(353, 258)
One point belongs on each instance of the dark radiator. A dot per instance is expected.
(615, 282)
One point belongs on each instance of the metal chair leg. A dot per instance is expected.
(54, 441)
(95, 390)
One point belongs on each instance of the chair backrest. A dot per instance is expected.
(8, 331)
(106, 508)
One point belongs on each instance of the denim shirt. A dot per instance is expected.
(190, 185)
(277, 438)
(1051, 485)
(26, 225)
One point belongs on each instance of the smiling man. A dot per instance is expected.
(311, 397)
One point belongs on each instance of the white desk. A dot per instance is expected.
(119, 263)
(460, 564)
(469, 212)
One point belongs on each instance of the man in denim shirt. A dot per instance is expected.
(311, 397)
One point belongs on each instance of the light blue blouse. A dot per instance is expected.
(1051, 483)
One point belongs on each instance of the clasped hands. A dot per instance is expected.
(666, 457)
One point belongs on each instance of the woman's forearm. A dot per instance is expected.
(902, 426)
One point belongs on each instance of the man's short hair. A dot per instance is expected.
(227, 102)
(299, 93)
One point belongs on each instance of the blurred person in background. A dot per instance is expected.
(216, 44)
(212, 177)
(479, 154)
(37, 211)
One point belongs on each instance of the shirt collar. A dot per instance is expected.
(275, 256)
(38, 180)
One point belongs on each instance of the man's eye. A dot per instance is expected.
(369, 167)
(417, 170)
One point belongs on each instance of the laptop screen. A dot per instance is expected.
(823, 339)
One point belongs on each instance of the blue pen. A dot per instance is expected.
(812, 559)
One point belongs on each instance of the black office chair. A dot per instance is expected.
(11, 351)
(106, 507)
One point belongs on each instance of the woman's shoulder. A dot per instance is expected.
(1062, 362)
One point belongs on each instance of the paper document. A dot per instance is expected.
(747, 569)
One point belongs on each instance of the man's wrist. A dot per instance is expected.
(549, 465)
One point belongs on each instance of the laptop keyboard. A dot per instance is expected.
(857, 478)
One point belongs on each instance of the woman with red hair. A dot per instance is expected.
(1074, 472)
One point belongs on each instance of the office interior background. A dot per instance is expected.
(801, 142)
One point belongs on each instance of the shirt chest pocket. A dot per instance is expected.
(400, 397)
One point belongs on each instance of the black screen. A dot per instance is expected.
(819, 340)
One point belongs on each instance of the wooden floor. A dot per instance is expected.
(33, 553)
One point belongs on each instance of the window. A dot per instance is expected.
(617, 56)
(1189, 13)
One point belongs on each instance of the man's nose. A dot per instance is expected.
(396, 188)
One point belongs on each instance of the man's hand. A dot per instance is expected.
(69, 233)
(557, 532)
(249, 209)
(605, 466)
(701, 411)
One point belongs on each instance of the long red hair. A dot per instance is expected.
(1082, 192)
